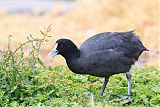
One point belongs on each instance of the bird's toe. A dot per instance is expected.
(124, 98)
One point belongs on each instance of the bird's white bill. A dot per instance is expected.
(54, 51)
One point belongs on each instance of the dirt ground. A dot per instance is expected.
(88, 17)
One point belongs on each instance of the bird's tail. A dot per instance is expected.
(145, 49)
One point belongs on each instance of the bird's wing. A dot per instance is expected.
(126, 42)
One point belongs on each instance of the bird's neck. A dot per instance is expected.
(73, 63)
(72, 54)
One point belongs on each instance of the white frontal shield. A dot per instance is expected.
(54, 51)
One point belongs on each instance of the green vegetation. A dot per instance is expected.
(32, 83)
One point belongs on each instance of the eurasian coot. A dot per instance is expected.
(102, 55)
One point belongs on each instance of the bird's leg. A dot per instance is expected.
(104, 85)
(128, 75)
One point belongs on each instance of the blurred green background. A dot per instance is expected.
(79, 20)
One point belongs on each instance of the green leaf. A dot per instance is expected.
(40, 62)
(156, 89)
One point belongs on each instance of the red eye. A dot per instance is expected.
(61, 46)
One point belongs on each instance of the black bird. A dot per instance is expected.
(102, 55)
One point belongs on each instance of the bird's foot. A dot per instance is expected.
(128, 98)
(102, 94)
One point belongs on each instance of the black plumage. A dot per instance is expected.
(102, 55)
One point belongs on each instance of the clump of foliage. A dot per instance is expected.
(32, 83)
(18, 80)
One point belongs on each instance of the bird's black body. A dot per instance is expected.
(102, 55)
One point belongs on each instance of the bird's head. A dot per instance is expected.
(64, 47)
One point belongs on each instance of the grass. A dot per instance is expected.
(33, 83)
(60, 87)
